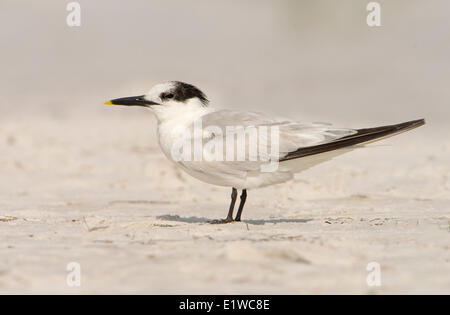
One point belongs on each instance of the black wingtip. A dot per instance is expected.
(386, 130)
(411, 124)
(420, 122)
(361, 136)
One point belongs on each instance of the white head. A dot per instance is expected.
(167, 99)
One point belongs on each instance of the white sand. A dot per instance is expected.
(89, 185)
(99, 192)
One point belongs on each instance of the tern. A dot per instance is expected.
(258, 159)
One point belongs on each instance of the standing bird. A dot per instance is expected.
(256, 159)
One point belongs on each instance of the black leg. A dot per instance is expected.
(241, 205)
(230, 211)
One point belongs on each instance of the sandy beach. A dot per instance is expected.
(104, 196)
(86, 185)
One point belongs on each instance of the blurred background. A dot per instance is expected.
(83, 182)
(312, 60)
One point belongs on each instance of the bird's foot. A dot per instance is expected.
(222, 221)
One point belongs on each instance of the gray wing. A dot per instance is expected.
(292, 135)
(221, 125)
(313, 142)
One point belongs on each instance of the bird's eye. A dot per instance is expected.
(169, 95)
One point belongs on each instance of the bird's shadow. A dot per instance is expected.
(177, 218)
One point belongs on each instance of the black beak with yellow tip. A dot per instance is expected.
(131, 101)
